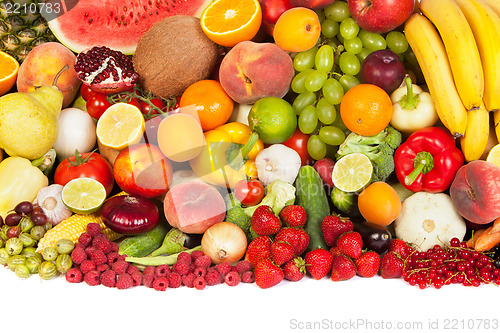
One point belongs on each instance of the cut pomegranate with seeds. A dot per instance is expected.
(105, 70)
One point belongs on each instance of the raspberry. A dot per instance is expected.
(232, 279)
(243, 266)
(162, 271)
(213, 277)
(108, 278)
(184, 256)
(114, 247)
(98, 240)
(199, 283)
(233, 269)
(203, 261)
(181, 267)
(89, 250)
(93, 229)
(136, 277)
(188, 280)
(74, 275)
(149, 271)
(78, 255)
(87, 266)
(105, 246)
(248, 277)
(160, 283)
(200, 272)
(79, 245)
(133, 269)
(102, 268)
(85, 239)
(174, 280)
(122, 257)
(223, 268)
(120, 267)
(196, 254)
(98, 257)
(147, 280)
(92, 278)
(124, 281)
(112, 257)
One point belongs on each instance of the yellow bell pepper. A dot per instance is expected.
(19, 181)
(228, 156)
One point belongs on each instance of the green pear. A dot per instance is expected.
(28, 121)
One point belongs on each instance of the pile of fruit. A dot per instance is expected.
(250, 141)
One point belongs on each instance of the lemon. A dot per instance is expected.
(273, 118)
(120, 126)
(494, 155)
(352, 172)
(83, 195)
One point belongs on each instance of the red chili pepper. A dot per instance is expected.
(428, 160)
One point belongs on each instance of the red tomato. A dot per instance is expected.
(298, 142)
(94, 166)
(97, 104)
(86, 92)
(249, 193)
(146, 109)
(133, 101)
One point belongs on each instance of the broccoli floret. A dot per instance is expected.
(235, 213)
(379, 148)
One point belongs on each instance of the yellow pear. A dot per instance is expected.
(28, 121)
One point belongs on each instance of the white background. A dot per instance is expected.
(58, 306)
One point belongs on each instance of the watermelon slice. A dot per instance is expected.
(117, 24)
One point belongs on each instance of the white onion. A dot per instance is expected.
(223, 242)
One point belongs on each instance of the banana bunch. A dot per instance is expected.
(457, 45)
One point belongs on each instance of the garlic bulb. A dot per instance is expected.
(49, 198)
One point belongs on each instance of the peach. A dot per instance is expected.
(42, 65)
(251, 70)
(194, 206)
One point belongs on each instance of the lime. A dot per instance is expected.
(352, 172)
(273, 118)
(83, 195)
(494, 155)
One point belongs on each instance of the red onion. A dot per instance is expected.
(130, 215)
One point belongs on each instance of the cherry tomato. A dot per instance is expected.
(133, 101)
(176, 108)
(146, 109)
(86, 92)
(298, 142)
(92, 165)
(249, 193)
(97, 104)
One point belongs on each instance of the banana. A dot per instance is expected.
(485, 25)
(474, 142)
(496, 123)
(461, 48)
(494, 4)
(429, 50)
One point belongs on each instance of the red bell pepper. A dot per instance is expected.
(428, 160)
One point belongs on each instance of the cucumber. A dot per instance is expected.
(143, 244)
(311, 195)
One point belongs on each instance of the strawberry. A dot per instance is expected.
(293, 216)
(264, 222)
(318, 263)
(391, 265)
(294, 269)
(335, 251)
(368, 264)
(268, 274)
(258, 249)
(343, 268)
(296, 237)
(400, 247)
(281, 252)
(350, 244)
(333, 226)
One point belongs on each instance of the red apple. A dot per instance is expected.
(324, 168)
(271, 11)
(383, 68)
(311, 4)
(143, 170)
(380, 16)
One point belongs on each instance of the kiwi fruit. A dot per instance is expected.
(173, 54)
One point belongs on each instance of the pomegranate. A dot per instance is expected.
(105, 70)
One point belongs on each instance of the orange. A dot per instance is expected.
(207, 101)
(379, 203)
(297, 29)
(228, 22)
(366, 109)
(8, 72)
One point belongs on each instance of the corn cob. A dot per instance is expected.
(71, 228)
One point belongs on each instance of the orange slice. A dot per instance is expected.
(8, 72)
(228, 22)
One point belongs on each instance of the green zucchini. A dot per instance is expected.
(311, 195)
(143, 244)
